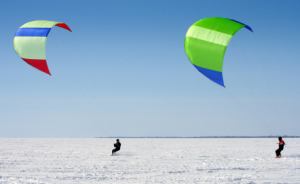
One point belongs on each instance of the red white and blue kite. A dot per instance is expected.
(30, 42)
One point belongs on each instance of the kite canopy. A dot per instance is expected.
(206, 42)
(30, 42)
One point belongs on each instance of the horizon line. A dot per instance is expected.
(246, 136)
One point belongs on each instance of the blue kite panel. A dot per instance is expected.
(215, 76)
(40, 32)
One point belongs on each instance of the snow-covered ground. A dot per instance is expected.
(151, 161)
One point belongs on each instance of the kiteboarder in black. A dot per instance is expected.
(117, 146)
(281, 144)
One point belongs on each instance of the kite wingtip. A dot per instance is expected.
(249, 28)
(40, 64)
(245, 25)
(222, 84)
(64, 26)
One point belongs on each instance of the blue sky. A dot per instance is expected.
(123, 71)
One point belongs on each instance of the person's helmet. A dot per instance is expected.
(117, 140)
(280, 138)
